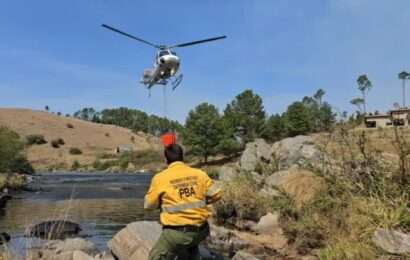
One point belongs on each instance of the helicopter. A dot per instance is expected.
(166, 62)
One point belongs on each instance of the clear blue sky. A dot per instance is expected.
(55, 52)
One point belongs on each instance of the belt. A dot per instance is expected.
(187, 228)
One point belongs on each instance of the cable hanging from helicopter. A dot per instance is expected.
(166, 63)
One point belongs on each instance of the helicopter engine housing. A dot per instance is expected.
(169, 65)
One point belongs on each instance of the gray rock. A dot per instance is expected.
(71, 245)
(276, 179)
(4, 238)
(242, 255)
(227, 173)
(3, 200)
(243, 224)
(104, 256)
(54, 229)
(80, 255)
(299, 150)
(226, 240)
(255, 153)
(391, 241)
(267, 224)
(136, 240)
(257, 177)
(69, 249)
(269, 192)
(301, 185)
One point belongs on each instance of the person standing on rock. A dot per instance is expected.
(182, 194)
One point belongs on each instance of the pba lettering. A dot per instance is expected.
(187, 192)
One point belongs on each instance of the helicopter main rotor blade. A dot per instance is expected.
(198, 42)
(129, 35)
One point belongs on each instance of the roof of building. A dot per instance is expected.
(400, 110)
(377, 116)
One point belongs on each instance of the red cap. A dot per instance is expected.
(168, 139)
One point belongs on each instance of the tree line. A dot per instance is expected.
(208, 132)
(133, 119)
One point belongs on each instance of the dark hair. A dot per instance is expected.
(174, 153)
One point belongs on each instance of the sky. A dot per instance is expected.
(56, 53)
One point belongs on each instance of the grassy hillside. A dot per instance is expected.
(94, 140)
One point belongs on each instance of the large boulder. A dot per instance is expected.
(391, 241)
(268, 224)
(231, 241)
(255, 154)
(299, 150)
(54, 229)
(301, 185)
(135, 241)
(80, 255)
(227, 173)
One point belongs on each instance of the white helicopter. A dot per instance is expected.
(166, 63)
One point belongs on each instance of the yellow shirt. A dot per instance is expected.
(182, 193)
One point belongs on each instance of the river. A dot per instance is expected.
(101, 203)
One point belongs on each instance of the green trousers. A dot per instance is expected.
(178, 245)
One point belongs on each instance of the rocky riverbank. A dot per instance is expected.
(133, 242)
(314, 197)
(11, 183)
(308, 197)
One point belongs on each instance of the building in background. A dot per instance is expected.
(395, 117)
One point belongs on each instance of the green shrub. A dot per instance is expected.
(75, 151)
(12, 158)
(57, 166)
(348, 250)
(12, 181)
(75, 166)
(20, 164)
(107, 156)
(146, 157)
(56, 143)
(241, 201)
(305, 234)
(35, 139)
(60, 141)
(102, 166)
(124, 160)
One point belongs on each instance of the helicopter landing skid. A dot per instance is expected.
(177, 80)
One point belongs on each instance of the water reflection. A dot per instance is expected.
(102, 206)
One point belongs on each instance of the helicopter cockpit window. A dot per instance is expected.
(173, 53)
(162, 53)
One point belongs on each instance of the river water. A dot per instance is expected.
(101, 203)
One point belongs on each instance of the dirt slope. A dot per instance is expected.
(93, 139)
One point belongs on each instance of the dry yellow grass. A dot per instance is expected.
(93, 139)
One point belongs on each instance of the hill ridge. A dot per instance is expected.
(92, 139)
